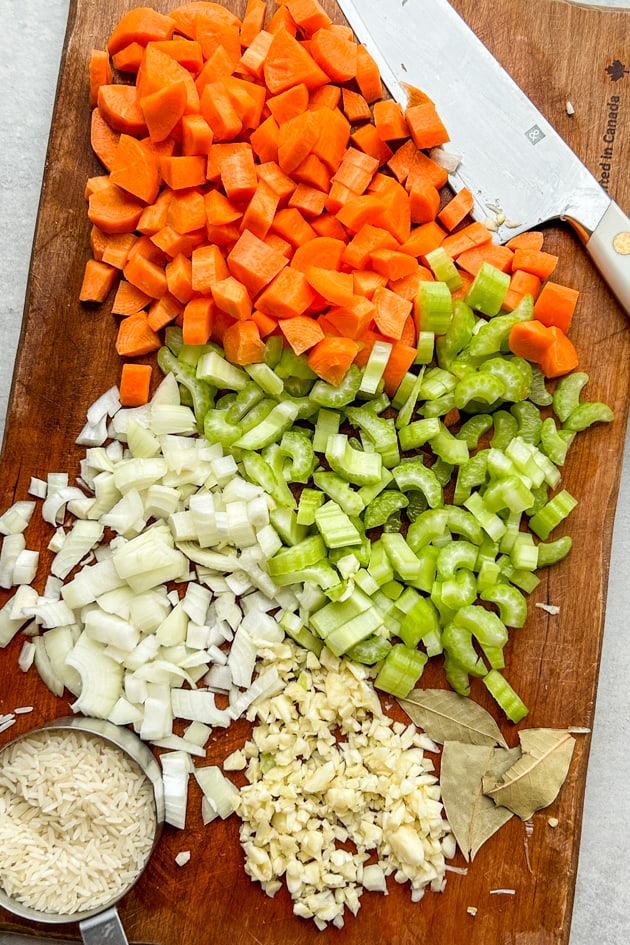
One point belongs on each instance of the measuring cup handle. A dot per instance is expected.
(103, 929)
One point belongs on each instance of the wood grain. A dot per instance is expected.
(557, 52)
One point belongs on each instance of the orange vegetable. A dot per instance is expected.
(252, 22)
(116, 248)
(475, 234)
(242, 343)
(103, 138)
(556, 305)
(391, 312)
(530, 340)
(135, 384)
(135, 169)
(296, 138)
(335, 54)
(288, 63)
(331, 358)
(538, 262)
(183, 171)
(163, 109)
(162, 312)
(146, 275)
(100, 73)
(355, 107)
(135, 337)
(531, 239)
(424, 239)
(493, 253)
(456, 209)
(368, 76)
(98, 279)
(308, 15)
(129, 58)
(400, 360)
(560, 357)
(287, 295)
(232, 297)
(392, 263)
(425, 125)
(389, 120)
(354, 319)
(119, 106)
(291, 225)
(323, 251)
(254, 263)
(289, 104)
(335, 287)
(179, 278)
(367, 138)
(208, 266)
(129, 299)
(140, 25)
(113, 210)
(424, 201)
(301, 332)
(521, 283)
(197, 320)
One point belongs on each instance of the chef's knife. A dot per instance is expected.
(510, 157)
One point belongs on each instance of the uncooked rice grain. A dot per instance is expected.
(77, 821)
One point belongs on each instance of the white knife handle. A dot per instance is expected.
(609, 248)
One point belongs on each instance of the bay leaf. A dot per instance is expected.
(446, 716)
(473, 816)
(534, 781)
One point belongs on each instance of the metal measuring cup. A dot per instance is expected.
(100, 926)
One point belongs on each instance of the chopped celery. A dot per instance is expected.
(586, 414)
(326, 395)
(327, 423)
(551, 514)
(444, 269)
(335, 526)
(277, 421)
(297, 446)
(511, 603)
(478, 388)
(358, 467)
(214, 369)
(566, 396)
(309, 501)
(301, 555)
(383, 506)
(433, 307)
(375, 367)
(381, 432)
(507, 698)
(403, 560)
(458, 335)
(266, 378)
(418, 433)
(550, 552)
(340, 491)
(369, 651)
(413, 474)
(488, 290)
(401, 670)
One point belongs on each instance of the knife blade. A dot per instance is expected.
(509, 156)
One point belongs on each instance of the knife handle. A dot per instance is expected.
(609, 248)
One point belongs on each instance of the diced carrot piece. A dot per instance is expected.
(530, 239)
(308, 15)
(219, 111)
(287, 295)
(163, 109)
(254, 263)
(456, 209)
(560, 357)
(336, 287)
(366, 281)
(353, 319)
(264, 140)
(103, 138)
(355, 107)
(140, 25)
(113, 210)
(162, 312)
(291, 225)
(135, 169)
(335, 54)
(242, 343)
(331, 358)
(325, 96)
(98, 279)
(521, 283)
(538, 262)
(183, 171)
(116, 248)
(135, 337)
(556, 305)
(129, 299)
(288, 63)
(208, 267)
(146, 276)
(368, 76)
(367, 138)
(308, 200)
(197, 320)
(495, 254)
(266, 324)
(296, 139)
(254, 56)
(530, 340)
(178, 272)
(289, 104)
(475, 234)
(401, 357)
(391, 312)
(232, 297)
(119, 106)
(252, 22)
(389, 120)
(302, 332)
(424, 239)
(392, 263)
(129, 58)
(425, 125)
(135, 384)
(100, 72)
(424, 201)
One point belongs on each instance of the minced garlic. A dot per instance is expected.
(339, 797)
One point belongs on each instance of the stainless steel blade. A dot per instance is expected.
(512, 159)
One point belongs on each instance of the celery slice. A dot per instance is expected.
(400, 671)
(511, 703)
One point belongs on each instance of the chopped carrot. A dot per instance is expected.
(146, 276)
(119, 106)
(264, 140)
(354, 319)
(424, 239)
(391, 312)
(314, 173)
(287, 295)
(98, 279)
(254, 263)
(140, 25)
(252, 22)
(296, 138)
(288, 63)
(186, 211)
(113, 210)
(366, 281)
(425, 125)
(163, 109)
(197, 320)
(521, 283)
(186, 52)
(163, 311)
(407, 287)
(326, 96)
(182, 171)
(129, 299)
(261, 210)
(292, 226)
(497, 255)
(560, 357)
(355, 107)
(282, 185)
(129, 58)
(266, 323)
(328, 225)
(242, 343)
(179, 280)
(424, 166)
(331, 358)
(401, 357)
(100, 72)
(238, 174)
(135, 337)
(334, 134)
(308, 15)
(392, 263)
(232, 297)
(254, 55)
(103, 138)
(302, 332)
(219, 111)
(475, 234)
(335, 54)
(116, 248)
(368, 76)
(308, 200)
(335, 287)
(367, 138)
(135, 169)
(456, 209)
(556, 305)
(172, 243)
(135, 384)
(530, 340)
(538, 262)
(208, 267)
(530, 239)
(389, 120)
(424, 201)
(324, 251)
(289, 104)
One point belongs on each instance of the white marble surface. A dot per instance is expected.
(602, 905)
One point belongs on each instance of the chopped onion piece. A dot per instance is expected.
(16, 517)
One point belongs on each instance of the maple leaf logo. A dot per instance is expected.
(616, 70)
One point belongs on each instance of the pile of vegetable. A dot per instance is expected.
(368, 356)
(366, 405)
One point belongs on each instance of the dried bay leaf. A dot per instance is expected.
(446, 716)
(473, 816)
(534, 781)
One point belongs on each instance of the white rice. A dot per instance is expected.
(76, 821)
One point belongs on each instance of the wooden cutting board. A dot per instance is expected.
(558, 52)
